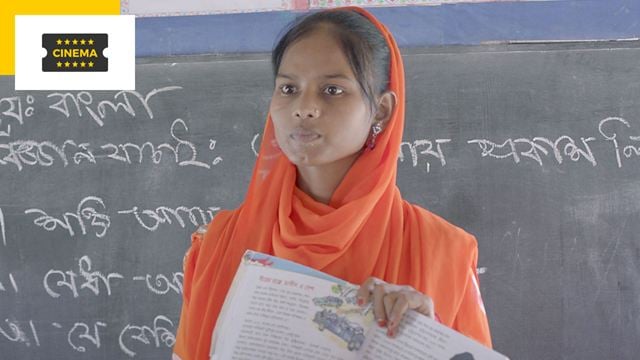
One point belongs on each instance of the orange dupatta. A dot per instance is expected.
(367, 229)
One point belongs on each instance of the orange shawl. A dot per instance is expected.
(367, 229)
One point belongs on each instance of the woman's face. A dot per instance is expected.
(319, 114)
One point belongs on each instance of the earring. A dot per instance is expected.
(375, 130)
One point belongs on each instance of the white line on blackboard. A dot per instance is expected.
(253, 144)
(4, 236)
(35, 334)
(13, 283)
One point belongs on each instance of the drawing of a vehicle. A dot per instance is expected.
(255, 260)
(333, 301)
(351, 300)
(348, 331)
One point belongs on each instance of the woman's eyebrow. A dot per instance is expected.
(330, 76)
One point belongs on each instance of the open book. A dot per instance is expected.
(278, 309)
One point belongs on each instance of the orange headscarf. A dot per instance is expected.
(367, 229)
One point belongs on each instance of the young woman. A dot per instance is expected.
(323, 191)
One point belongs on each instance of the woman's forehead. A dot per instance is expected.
(320, 76)
(316, 55)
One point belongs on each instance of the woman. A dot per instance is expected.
(323, 191)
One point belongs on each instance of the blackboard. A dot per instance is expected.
(535, 149)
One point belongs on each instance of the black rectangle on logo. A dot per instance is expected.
(75, 52)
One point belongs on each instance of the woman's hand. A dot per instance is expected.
(390, 302)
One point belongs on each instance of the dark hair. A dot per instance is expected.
(361, 41)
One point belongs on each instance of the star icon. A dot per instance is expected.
(75, 42)
(82, 64)
(90, 41)
(66, 64)
(66, 41)
(75, 64)
(90, 63)
(82, 42)
(59, 42)
(59, 64)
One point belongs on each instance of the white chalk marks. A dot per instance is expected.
(14, 331)
(94, 281)
(628, 150)
(12, 286)
(161, 284)
(122, 100)
(565, 148)
(157, 335)
(13, 110)
(86, 337)
(23, 153)
(543, 151)
(424, 148)
(3, 233)
(91, 216)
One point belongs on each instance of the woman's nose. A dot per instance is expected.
(305, 113)
(306, 107)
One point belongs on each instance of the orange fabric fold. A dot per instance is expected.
(367, 229)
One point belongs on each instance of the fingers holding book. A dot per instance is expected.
(391, 302)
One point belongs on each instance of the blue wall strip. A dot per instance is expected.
(412, 26)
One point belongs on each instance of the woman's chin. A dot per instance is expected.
(304, 160)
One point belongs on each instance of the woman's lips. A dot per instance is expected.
(304, 136)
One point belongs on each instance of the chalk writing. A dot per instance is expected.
(161, 284)
(628, 150)
(275, 150)
(92, 279)
(12, 281)
(29, 152)
(81, 331)
(563, 146)
(424, 147)
(23, 153)
(122, 152)
(2, 231)
(253, 144)
(151, 219)
(83, 100)
(212, 146)
(86, 210)
(14, 333)
(156, 336)
(13, 110)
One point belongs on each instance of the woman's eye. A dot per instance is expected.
(289, 90)
(334, 90)
(284, 89)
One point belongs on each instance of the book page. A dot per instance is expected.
(277, 309)
(278, 314)
(420, 337)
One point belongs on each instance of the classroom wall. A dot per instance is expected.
(413, 26)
